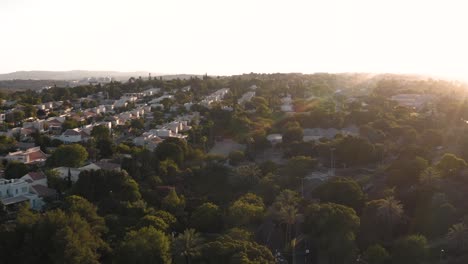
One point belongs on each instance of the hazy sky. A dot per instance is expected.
(229, 37)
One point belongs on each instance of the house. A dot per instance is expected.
(29, 156)
(18, 191)
(73, 136)
(151, 91)
(246, 97)
(148, 140)
(36, 178)
(74, 173)
(38, 125)
(314, 134)
(55, 125)
(416, 101)
(214, 97)
(159, 99)
(275, 138)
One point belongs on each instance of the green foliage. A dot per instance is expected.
(405, 172)
(173, 203)
(379, 219)
(343, 191)
(411, 249)
(235, 247)
(296, 169)
(7, 144)
(170, 150)
(207, 218)
(56, 237)
(99, 186)
(188, 244)
(376, 254)
(100, 132)
(72, 155)
(236, 157)
(15, 170)
(146, 245)
(246, 210)
(153, 221)
(292, 132)
(333, 228)
(353, 151)
(451, 165)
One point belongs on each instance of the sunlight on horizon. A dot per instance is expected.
(231, 37)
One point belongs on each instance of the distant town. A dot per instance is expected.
(263, 168)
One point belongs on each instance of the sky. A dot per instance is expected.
(232, 37)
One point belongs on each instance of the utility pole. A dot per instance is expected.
(332, 162)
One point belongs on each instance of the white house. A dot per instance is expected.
(73, 136)
(31, 188)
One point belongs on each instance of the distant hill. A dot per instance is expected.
(79, 75)
(69, 75)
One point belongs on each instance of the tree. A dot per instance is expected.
(99, 185)
(173, 203)
(450, 164)
(100, 132)
(376, 254)
(379, 220)
(285, 210)
(105, 147)
(57, 237)
(188, 244)
(405, 172)
(246, 210)
(390, 211)
(87, 210)
(236, 157)
(411, 249)
(15, 170)
(146, 245)
(343, 191)
(296, 169)
(72, 155)
(153, 221)
(167, 150)
(207, 218)
(457, 237)
(333, 228)
(293, 134)
(430, 177)
(236, 247)
(244, 177)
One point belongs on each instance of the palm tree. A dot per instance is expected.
(285, 210)
(288, 215)
(430, 177)
(188, 244)
(458, 237)
(390, 210)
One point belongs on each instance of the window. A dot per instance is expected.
(24, 189)
(16, 191)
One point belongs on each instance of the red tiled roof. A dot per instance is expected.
(36, 175)
(36, 155)
(27, 131)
